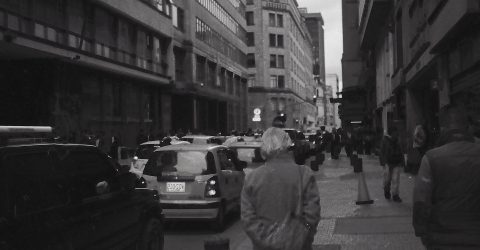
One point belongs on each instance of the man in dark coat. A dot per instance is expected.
(446, 210)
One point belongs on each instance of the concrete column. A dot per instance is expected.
(443, 82)
(413, 110)
(166, 107)
(195, 115)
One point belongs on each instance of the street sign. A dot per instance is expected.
(256, 117)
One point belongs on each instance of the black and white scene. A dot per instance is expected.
(239, 124)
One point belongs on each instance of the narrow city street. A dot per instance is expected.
(344, 225)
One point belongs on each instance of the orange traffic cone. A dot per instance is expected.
(363, 197)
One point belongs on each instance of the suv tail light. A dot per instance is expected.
(212, 188)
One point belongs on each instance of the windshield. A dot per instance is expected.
(145, 151)
(183, 162)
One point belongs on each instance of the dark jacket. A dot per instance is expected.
(390, 152)
(447, 195)
(271, 192)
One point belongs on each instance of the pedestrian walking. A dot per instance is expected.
(114, 147)
(415, 155)
(335, 144)
(391, 158)
(348, 143)
(446, 209)
(301, 151)
(271, 193)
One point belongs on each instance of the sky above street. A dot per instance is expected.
(332, 16)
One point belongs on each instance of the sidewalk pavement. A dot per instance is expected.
(345, 225)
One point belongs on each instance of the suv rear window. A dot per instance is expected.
(181, 162)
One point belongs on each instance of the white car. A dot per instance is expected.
(144, 151)
(196, 181)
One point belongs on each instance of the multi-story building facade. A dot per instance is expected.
(210, 63)
(424, 57)
(353, 104)
(279, 62)
(333, 82)
(116, 67)
(314, 23)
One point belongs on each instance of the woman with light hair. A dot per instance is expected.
(277, 189)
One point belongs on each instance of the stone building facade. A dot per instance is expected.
(420, 56)
(117, 67)
(279, 62)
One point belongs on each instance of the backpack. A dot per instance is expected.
(394, 153)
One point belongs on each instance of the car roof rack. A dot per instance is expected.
(15, 135)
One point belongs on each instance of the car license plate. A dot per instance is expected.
(175, 187)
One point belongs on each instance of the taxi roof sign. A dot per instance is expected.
(25, 129)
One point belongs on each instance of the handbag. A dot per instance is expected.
(291, 233)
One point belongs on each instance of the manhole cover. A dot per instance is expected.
(373, 225)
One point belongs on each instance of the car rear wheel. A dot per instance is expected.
(152, 236)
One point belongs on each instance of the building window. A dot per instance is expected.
(273, 81)
(280, 61)
(273, 39)
(249, 18)
(279, 20)
(250, 39)
(250, 60)
(117, 100)
(177, 18)
(251, 80)
(273, 61)
(250, 2)
(280, 41)
(281, 82)
(271, 20)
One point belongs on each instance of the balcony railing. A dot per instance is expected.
(274, 6)
(60, 37)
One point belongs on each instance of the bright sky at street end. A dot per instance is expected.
(332, 16)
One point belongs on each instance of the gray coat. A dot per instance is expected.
(270, 192)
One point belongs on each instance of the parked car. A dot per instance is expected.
(200, 139)
(195, 181)
(144, 151)
(71, 196)
(248, 152)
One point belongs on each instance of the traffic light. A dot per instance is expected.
(315, 99)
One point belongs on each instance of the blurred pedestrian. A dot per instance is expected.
(114, 147)
(272, 192)
(368, 142)
(301, 151)
(348, 143)
(446, 209)
(392, 161)
(418, 150)
(278, 122)
(335, 144)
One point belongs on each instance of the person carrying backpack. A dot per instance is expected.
(391, 158)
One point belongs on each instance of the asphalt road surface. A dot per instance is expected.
(187, 235)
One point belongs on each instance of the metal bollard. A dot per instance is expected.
(217, 244)
(358, 165)
(353, 159)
